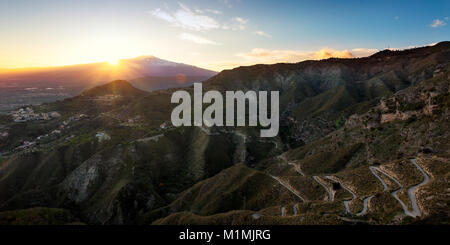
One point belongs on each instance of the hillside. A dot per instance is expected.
(317, 96)
(152, 83)
(361, 141)
(346, 157)
(118, 88)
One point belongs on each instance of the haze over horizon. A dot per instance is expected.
(215, 35)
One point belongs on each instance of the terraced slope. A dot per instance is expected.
(322, 211)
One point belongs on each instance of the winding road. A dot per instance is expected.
(327, 189)
(346, 202)
(411, 190)
(376, 171)
(367, 199)
(288, 187)
(296, 166)
(365, 205)
(393, 193)
(373, 171)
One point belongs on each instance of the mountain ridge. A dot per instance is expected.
(119, 164)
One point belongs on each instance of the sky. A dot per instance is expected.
(213, 34)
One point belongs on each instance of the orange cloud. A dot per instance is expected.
(272, 56)
(268, 56)
(329, 53)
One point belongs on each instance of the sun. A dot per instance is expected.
(113, 61)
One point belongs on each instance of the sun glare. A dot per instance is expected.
(113, 62)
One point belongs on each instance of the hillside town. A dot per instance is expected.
(45, 138)
(64, 125)
(28, 114)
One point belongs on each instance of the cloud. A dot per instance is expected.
(363, 52)
(163, 15)
(240, 20)
(228, 3)
(261, 33)
(187, 19)
(196, 20)
(436, 23)
(329, 53)
(214, 11)
(197, 10)
(196, 39)
(268, 56)
(259, 55)
(237, 23)
(402, 48)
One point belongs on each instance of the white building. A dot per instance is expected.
(101, 136)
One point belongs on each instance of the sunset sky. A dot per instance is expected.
(214, 34)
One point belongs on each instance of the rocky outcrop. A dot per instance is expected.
(411, 104)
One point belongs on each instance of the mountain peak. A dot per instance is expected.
(154, 66)
(116, 87)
